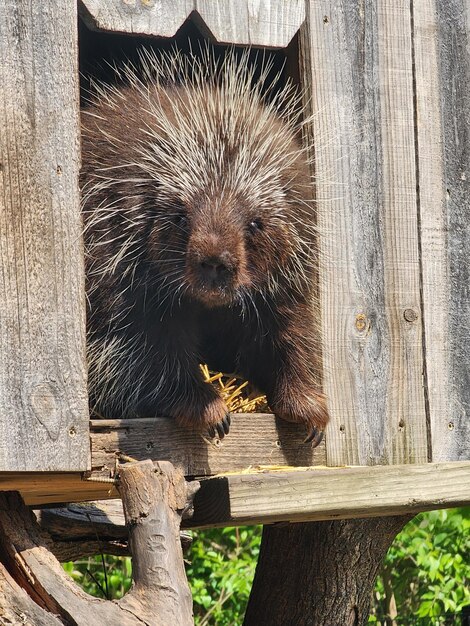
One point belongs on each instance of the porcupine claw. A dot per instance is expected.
(315, 436)
(221, 428)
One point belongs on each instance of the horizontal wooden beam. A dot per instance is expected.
(333, 493)
(43, 488)
(295, 495)
(254, 439)
(243, 495)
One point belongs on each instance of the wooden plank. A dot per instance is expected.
(336, 493)
(270, 23)
(442, 40)
(357, 68)
(43, 398)
(41, 488)
(254, 439)
(300, 494)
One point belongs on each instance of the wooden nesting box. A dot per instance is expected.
(389, 81)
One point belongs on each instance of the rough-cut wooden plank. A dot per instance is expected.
(40, 488)
(254, 439)
(336, 493)
(316, 493)
(43, 400)
(257, 22)
(357, 66)
(442, 39)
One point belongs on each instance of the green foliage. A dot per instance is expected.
(107, 576)
(426, 573)
(221, 571)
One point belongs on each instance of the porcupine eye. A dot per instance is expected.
(180, 220)
(254, 226)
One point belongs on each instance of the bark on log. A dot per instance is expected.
(154, 498)
(17, 608)
(319, 573)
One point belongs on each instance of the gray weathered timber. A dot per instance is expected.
(154, 498)
(313, 493)
(442, 40)
(254, 440)
(333, 493)
(255, 22)
(357, 67)
(43, 400)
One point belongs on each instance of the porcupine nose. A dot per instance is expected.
(214, 269)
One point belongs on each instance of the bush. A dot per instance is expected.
(426, 573)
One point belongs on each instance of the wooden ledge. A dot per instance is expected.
(279, 495)
(240, 496)
(330, 493)
(254, 439)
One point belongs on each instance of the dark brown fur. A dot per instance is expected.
(213, 274)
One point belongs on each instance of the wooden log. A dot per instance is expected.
(18, 609)
(154, 499)
(43, 396)
(357, 66)
(320, 573)
(270, 23)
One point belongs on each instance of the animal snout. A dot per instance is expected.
(215, 268)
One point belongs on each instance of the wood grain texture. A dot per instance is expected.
(154, 496)
(18, 609)
(43, 398)
(254, 439)
(298, 494)
(442, 39)
(270, 23)
(336, 493)
(357, 67)
(40, 488)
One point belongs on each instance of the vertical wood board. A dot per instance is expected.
(357, 67)
(249, 22)
(442, 44)
(43, 398)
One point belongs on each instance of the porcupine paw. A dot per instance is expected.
(209, 416)
(305, 409)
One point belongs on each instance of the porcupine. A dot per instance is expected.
(200, 243)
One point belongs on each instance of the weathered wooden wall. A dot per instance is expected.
(252, 22)
(442, 58)
(43, 401)
(390, 82)
(359, 68)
